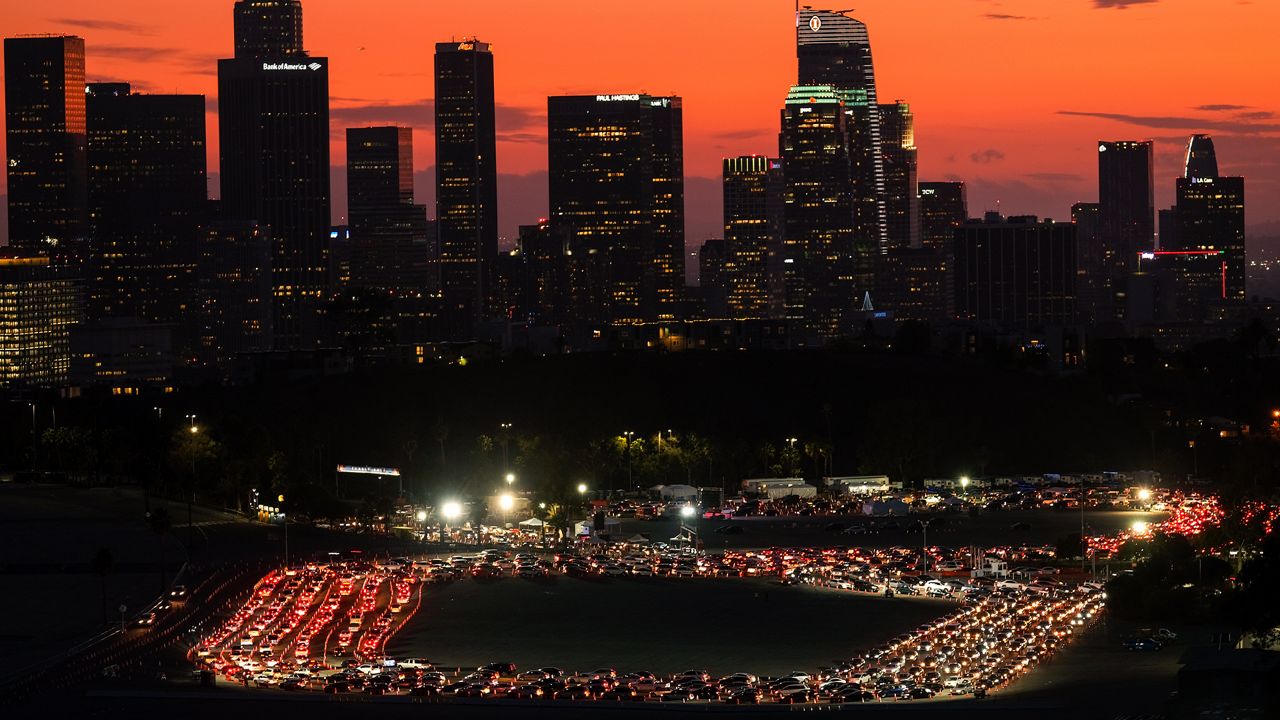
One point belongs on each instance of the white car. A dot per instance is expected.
(937, 587)
(1010, 585)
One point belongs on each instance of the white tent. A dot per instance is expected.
(532, 523)
(637, 539)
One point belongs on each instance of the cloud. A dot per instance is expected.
(1119, 4)
(1220, 108)
(739, 134)
(416, 113)
(1180, 123)
(1055, 177)
(1256, 115)
(1002, 16)
(984, 157)
(92, 24)
(136, 53)
(510, 119)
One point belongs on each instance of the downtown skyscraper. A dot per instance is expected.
(44, 91)
(466, 183)
(273, 117)
(834, 49)
(616, 181)
(1126, 218)
(820, 250)
(753, 206)
(147, 201)
(1209, 218)
(389, 241)
(901, 175)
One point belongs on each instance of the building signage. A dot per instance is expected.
(815, 23)
(292, 66)
(616, 98)
(367, 470)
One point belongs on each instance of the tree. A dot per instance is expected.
(102, 563)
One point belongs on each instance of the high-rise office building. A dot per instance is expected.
(713, 279)
(273, 118)
(39, 304)
(616, 181)
(943, 207)
(45, 141)
(915, 284)
(819, 248)
(268, 28)
(1126, 214)
(1019, 274)
(1210, 216)
(901, 182)
(234, 291)
(1202, 159)
(389, 242)
(147, 201)
(466, 182)
(753, 212)
(1092, 303)
(835, 49)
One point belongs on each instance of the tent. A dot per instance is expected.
(637, 539)
(532, 523)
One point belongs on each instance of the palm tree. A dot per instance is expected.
(441, 432)
(102, 563)
(160, 522)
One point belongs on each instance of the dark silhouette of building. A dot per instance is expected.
(820, 250)
(266, 29)
(834, 49)
(45, 141)
(466, 183)
(273, 117)
(1209, 216)
(616, 181)
(753, 219)
(914, 283)
(943, 208)
(147, 202)
(233, 292)
(1202, 159)
(1016, 275)
(389, 233)
(713, 278)
(1092, 302)
(1126, 214)
(901, 182)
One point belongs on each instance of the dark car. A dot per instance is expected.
(334, 688)
(854, 695)
(743, 696)
(425, 691)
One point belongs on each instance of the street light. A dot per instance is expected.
(924, 539)
(626, 436)
(192, 490)
(511, 478)
(582, 488)
(284, 518)
(1144, 495)
(1140, 527)
(506, 502)
(687, 512)
(422, 516)
(964, 483)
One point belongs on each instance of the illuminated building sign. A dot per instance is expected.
(292, 66)
(367, 470)
(815, 23)
(928, 191)
(616, 98)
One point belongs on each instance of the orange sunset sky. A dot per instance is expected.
(1008, 96)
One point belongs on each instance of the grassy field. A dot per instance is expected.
(653, 624)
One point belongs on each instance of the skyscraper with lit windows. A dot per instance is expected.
(753, 235)
(616, 181)
(45, 141)
(273, 122)
(466, 183)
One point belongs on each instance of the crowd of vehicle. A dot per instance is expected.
(978, 647)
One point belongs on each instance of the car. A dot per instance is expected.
(1141, 644)
(743, 696)
(335, 688)
(179, 592)
(149, 619)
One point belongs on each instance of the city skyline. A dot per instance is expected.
(1025, 145)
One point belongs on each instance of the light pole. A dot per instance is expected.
(284, 517)
(924, 540)
(195, 430)
(506, 439)
(626, 436)
(506, 502)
